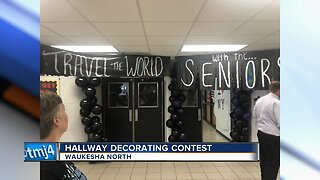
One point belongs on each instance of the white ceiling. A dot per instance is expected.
(161, 27)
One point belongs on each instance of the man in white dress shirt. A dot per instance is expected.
(267, 114)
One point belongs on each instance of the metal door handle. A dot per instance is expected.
(130, 115)
(199, 115)
(136, 115)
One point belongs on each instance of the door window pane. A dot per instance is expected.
(191, 98)
(119, 95)
(148, 94)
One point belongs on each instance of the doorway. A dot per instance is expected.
(133, 109)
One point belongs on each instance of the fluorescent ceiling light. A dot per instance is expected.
(211, 48)
(87, 48)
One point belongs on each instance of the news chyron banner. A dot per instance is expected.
(140, 151)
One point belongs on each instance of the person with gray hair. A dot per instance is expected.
(266, 112)
(53, 117)
(53, 123)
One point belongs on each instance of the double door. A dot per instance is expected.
(133, 109)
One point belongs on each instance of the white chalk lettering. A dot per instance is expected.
(254, 74)
(205, 74)
(67, 63)
(192, 77)
(221, 70)
(263, 71)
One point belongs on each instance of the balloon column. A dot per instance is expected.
(240, 116)
(175, 122)
(88, 106)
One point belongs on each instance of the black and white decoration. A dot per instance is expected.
(240, 116)
(89, 106)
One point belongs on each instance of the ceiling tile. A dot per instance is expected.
(242, 39)
(170, 10)
(128, 40)
(214, 28)
(258, 28)
(271, 13)
(108, 10)
(165, 40)
(167, 28)
(72, 29)
(128, 49)
(58, 11)
(55, 40)
(46, 32)
(273, 39)
(205, 40)
(231, 10)
(82, 40)
(120, 29)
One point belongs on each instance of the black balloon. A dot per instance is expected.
(171, 99)
(175, 133)
(86, 121)
(182, 97)
(244, 138)
(169, 123)
(97, 109)
(174, 117)
(182, 136)
(179, 124)
(245, 131)
(85, 103)
(235, 135)
(84, 112)
(171, 109)
(94, 81)
(238, 123)
(93, 100)
(233, 114)
(238, 112)
(246, 117)
(244, 97)
(81, 81)
(180, 111)
(177, 104)
(95, 119)
(96, 137)
(90, 91)
(235, 101)
(87, 130)
(171, 87)
(96, 126)
(171, 138)
(246, 105)
(175, 93)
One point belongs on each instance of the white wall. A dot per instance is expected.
(71, 96)
(254, 128)
(222, 112)
(167, 93)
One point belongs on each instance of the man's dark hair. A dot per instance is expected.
(49, 108)
(274, 86)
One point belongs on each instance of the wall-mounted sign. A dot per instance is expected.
(64, 63)
(241, 70)
(50, 85)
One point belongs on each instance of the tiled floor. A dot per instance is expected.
(174, 170)
(210, 134)
(170, 170)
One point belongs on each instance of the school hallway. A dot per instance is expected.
(174, 170)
